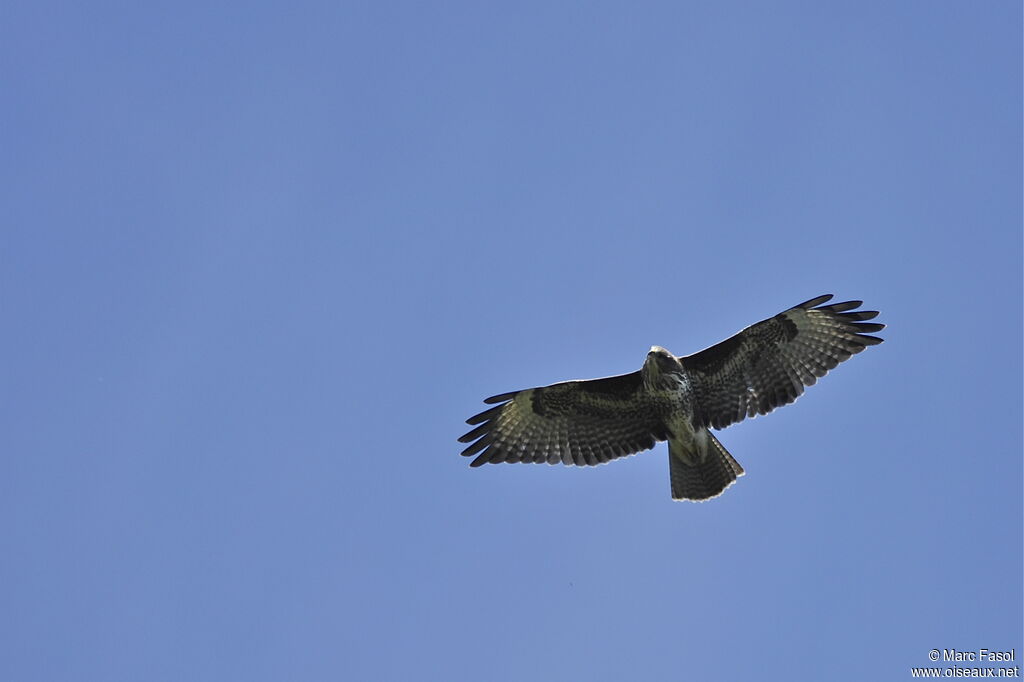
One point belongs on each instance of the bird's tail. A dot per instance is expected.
(698, 478)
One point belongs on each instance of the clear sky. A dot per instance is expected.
(259, 262)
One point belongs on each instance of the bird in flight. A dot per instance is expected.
(675, 398)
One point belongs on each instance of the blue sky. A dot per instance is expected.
(260, 262)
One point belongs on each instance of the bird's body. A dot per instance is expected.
(678, 399)
(699, 467)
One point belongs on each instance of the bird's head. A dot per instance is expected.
(660, 363)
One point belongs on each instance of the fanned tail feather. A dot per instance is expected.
(705, 479)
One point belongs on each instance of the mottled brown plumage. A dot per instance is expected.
(675, 399)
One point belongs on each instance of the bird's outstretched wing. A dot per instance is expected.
(574, 422)
(768, 364)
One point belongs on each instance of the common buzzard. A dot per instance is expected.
(677, 399)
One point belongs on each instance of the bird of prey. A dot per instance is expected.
(678, 399)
